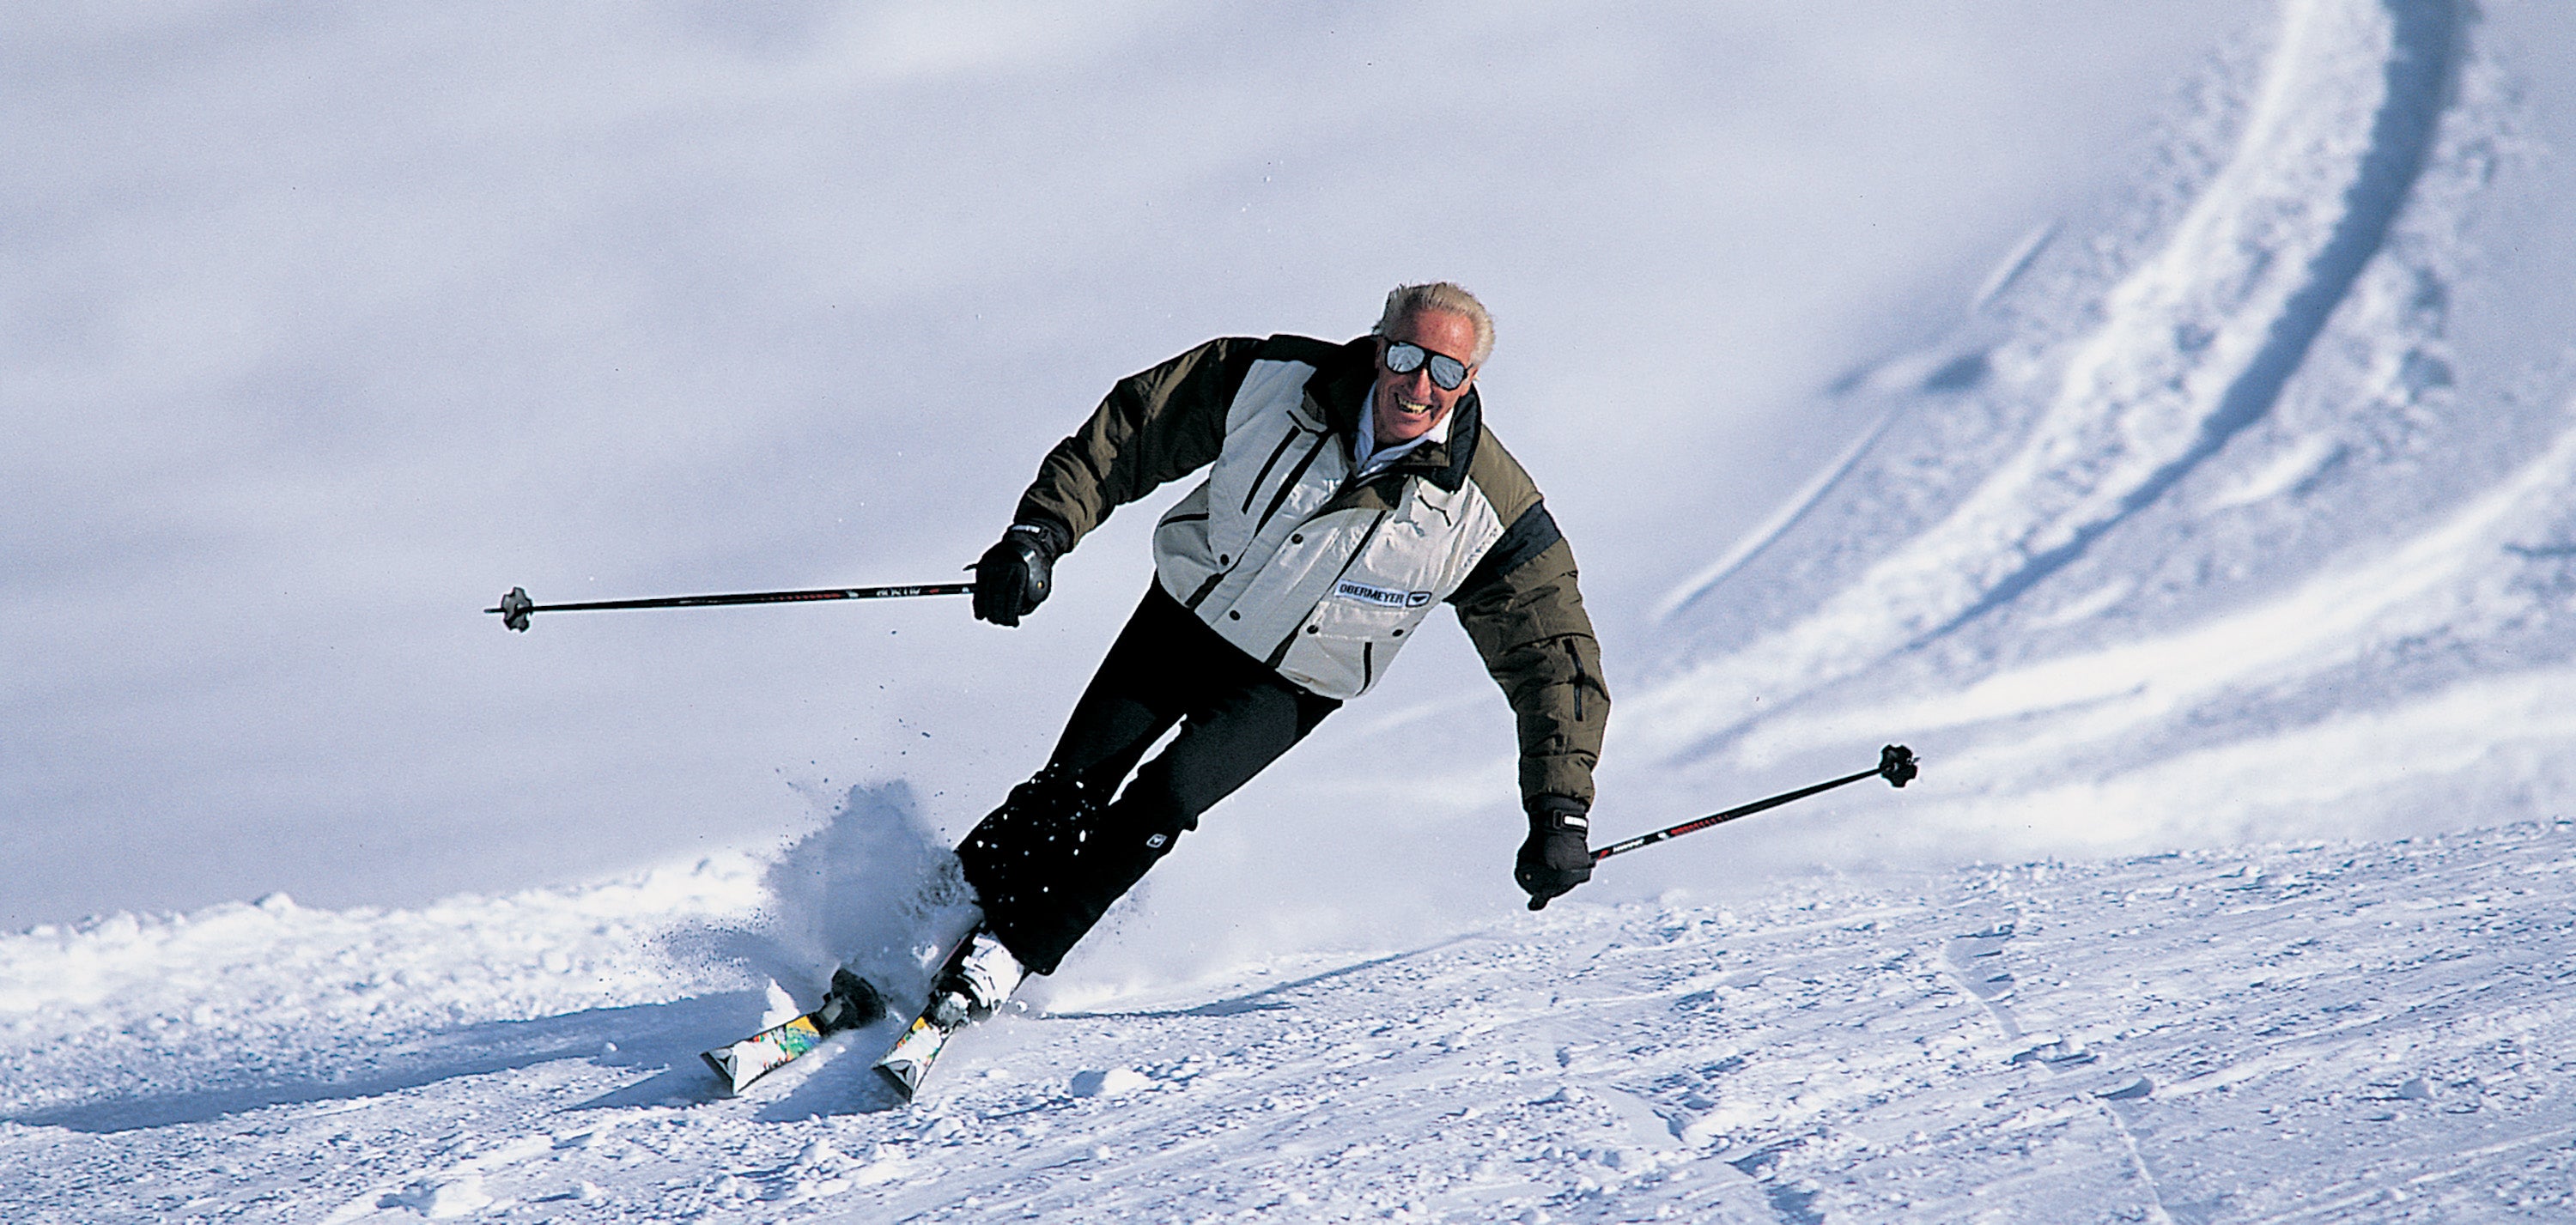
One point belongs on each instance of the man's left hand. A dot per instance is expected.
(1558, 854)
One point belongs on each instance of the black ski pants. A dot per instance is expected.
(1049, 862)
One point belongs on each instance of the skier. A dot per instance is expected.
(1350, 487)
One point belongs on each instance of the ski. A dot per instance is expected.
(850, 1003)
(978, 968)
(965, 975)
(908, 1064)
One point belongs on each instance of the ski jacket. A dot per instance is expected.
(1323, 578)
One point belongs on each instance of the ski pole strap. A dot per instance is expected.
(516, 606)
(1896, 764)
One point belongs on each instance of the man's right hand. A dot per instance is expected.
(1015, 575)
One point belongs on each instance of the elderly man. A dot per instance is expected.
(1349, 488)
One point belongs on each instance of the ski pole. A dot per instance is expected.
(516, 606)
(1896, 764)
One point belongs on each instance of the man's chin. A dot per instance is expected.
(1404, 428)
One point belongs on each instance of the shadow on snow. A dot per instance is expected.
(668, 1036)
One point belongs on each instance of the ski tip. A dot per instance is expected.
(904, 1086)
(908, 1064)
(722, 1064)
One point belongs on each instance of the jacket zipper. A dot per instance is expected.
(1575, 659)
(1288, 484)
(1254, 490)
(1280, 652)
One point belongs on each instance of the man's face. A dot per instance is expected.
(1406, 406)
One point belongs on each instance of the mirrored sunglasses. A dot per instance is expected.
(1405, 357)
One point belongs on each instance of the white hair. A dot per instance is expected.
(1409, 300)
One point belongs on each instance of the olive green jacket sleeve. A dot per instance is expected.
(1524, 611)
(1155, 426)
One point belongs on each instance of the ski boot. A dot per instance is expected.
(978, 977)
(851, 1003)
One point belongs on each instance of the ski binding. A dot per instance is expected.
(980, 973)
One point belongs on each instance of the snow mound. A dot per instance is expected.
(132, 1021)
(1098, 1082)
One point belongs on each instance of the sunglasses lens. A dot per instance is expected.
(1405, 357)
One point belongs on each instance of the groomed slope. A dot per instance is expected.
(2381, 1030)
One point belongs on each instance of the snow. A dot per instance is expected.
(2211, 551)
(2229, 540)
(2373, 1030)
(2193, 347)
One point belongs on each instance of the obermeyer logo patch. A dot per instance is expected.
(1383, 597)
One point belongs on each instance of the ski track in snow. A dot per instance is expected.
(2292, 1033)
(2195, 344)
(2226, 552)
(2443, 578)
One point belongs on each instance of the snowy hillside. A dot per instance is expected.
(2218, 564)
(2327, 1032)
(2222, 518)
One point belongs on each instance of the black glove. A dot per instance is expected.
(1015, 575)
(1558, 855)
